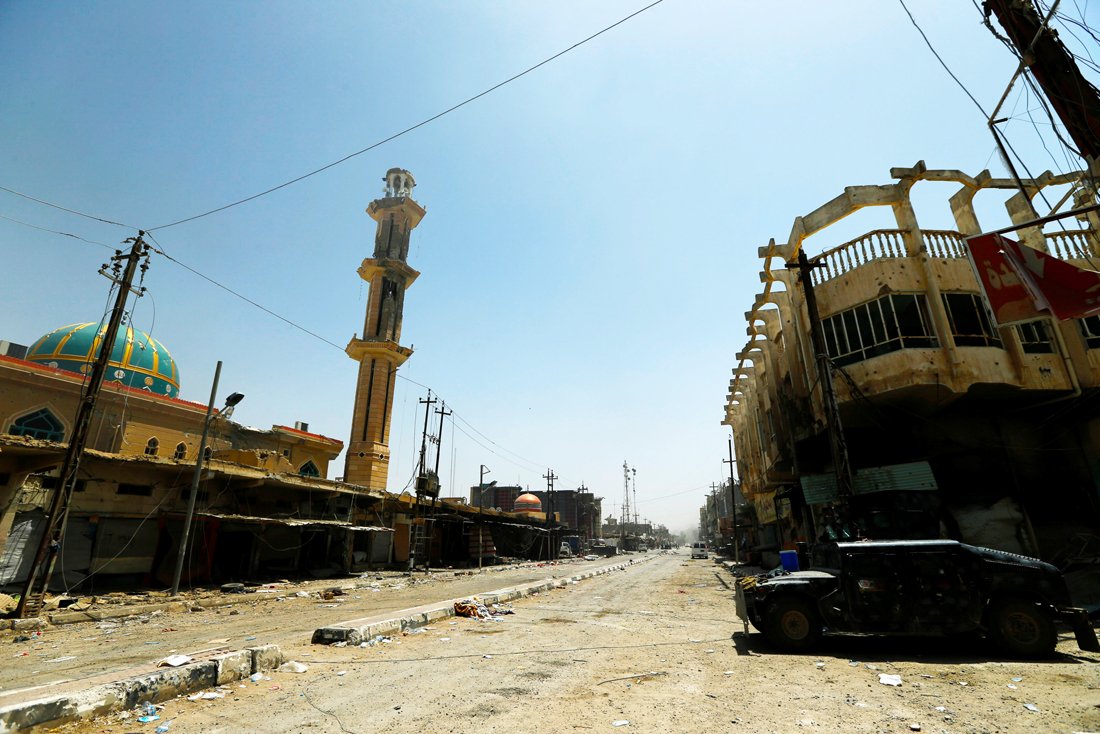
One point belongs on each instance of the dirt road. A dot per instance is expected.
(654, 646)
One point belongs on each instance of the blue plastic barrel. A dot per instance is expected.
(789, 560)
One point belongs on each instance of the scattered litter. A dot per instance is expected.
(62, 659)
(693, 640)
(292, 666)
(941, 709)
(621, 722)
(163, 728)
(872, 666)
(819, 664)
(341, 673)
(150, 714)
(174, 661)
(914, 727)
(250, 638)
(963, 683)
(853, 663)
(487, 657)
(925, 675)
(727, 672)
(1017, 680)
(340, 643)
(638, 676)
(152, 643)
(255, 678)
(889, 680)
(302, 594)
(444, 639)
(709, 650)
(275, 687)
(205, 696)
(1031, 707)
(1012, 686)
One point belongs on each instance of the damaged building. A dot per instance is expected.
(953, 426)
(263, 507)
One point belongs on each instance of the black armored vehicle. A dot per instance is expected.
(915, 588)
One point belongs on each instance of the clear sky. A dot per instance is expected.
(590, 244)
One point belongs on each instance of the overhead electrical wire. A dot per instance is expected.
(940, 59)
(409, 129)
(66, 209)
(59, 232)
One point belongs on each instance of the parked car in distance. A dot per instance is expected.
(699, 550)
(915, 588)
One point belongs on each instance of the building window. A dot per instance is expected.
(39, 424)
(969, 320)
(286, 453)
(152, 446)
(1090, 329)
(1035, 337)
(181, 451)
(309, 469)
(896, 321)
(137, 490)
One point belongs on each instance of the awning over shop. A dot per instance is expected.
(819, 489)
(296, 522)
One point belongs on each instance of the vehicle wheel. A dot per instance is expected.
(1020, 627)
(792, 624)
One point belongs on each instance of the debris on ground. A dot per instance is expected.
(292, 666)
(889, 680)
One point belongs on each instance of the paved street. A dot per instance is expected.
(90, 649)
(577, 659)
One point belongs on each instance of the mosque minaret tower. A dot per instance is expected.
(378, 352)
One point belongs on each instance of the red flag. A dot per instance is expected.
(1021, 283)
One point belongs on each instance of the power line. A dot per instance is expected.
(940, 59)
(54, 231)
(66, 209)
(409, 129)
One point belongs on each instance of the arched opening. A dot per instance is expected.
(152, 446)
(39, 424)
(309, 469)
(181, 451)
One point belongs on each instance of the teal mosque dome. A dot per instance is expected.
(137, 359)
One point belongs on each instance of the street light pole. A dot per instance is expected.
(231, 401)
(480, 511)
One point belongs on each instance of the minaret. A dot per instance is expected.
(378, 352)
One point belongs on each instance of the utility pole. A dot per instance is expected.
(1070, 94)
(625, 508)
(716, 532)
(733, 504)
(424, 486)
(833, 425)
(550, 477)
(634, 481)
(121, 274)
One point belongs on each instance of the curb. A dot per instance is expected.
(354, 634)
(159, 685)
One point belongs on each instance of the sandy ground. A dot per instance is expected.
(654, 646)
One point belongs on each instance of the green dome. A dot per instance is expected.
(137, 360)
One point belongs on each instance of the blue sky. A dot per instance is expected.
(590, 243)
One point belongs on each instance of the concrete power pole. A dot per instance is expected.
(1076, 101)
(38, 579)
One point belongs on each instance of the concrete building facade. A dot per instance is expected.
(953, 425)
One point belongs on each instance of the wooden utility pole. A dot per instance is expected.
(122, 274)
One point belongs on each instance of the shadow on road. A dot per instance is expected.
(958, 650)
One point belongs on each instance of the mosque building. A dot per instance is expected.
(264, 506)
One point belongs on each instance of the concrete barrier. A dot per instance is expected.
(152, 687)
(355, 632)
